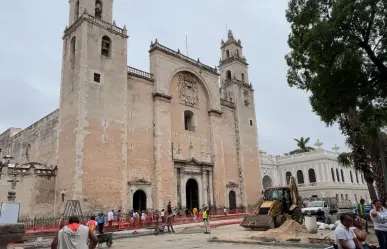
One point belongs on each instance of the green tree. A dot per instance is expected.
(347, 160)
(339, 54)
(302, 144)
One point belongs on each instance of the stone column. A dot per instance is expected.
(211, 188)
(204, 188)
(182, 189)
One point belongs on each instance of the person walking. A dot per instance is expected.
(195, 213)
(379, 217)
(92, 224)
(205, 220)
(169, 208)
(100, 222)
(74, 236)
(170, 222)
(110, 218)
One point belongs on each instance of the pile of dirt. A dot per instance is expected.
(290, 227)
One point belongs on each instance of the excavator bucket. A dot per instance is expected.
(258, 222)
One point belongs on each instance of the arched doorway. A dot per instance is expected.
(139, 200)
(192, 194)
(267, 182)
(232, 200)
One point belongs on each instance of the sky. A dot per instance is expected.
(31, 57)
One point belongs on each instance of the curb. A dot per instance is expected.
(285, 244)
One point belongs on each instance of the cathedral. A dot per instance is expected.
(122, 138)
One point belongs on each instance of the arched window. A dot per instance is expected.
(333, 175)
(357, 177)
(98, 9)
(350, 175)
(288, 175)
(73, 47)
(238, 52)
(28, 149)
(337, 175)
(227, 54)
(106, 46)
(342, 175)
(362, 178)
(312, 176)
(243, 77)
(228, 75)
(76, 11)
(300, 177)
(189, 121)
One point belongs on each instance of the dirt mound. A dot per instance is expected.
(290, 227)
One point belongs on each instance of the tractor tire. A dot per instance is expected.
(279, 220)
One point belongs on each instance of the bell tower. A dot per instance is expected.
(93, 108)
(101, 9)
(235, 88)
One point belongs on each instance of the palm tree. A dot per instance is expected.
(302, 146)
(347, 160)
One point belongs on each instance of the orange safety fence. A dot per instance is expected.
(129, 223)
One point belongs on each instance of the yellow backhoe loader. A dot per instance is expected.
(275, 207)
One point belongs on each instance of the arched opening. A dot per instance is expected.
(98, 9)
(362, 178)
(333, 175)
(350, 175)
(63, 197)
(73, 47)
(192, 194)
(237, 52)
(139, 201)
(267, 182)
(342, 175)
(337, 175)
(76, 11)
(312, 176)
(28, 149)
(227, 54)
(106, 46)
(357, 177)
(300, 177)
(232, 200)
(288, 175)
(243, 77)
(189, 124)
(228, 75)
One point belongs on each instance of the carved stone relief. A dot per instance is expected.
(188, 90)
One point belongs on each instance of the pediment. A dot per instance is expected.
(232, 185)
(193, 161)
(139, 182)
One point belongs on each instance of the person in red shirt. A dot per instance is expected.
(92, 224)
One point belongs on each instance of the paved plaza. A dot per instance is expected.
(189, 238)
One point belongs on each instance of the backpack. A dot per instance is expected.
(91, 225)
(100, 220)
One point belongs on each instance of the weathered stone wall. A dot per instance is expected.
(35, 193)
(140, 134)
(199, 138)
(36, 143)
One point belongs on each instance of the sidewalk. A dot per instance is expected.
(46, 242)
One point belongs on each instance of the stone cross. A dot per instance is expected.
(12, 193)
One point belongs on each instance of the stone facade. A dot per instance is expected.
(317, 173)
(128, 139)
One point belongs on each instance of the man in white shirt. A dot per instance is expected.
(110, 219)
(344, 236)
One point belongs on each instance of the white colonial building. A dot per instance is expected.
(317, 173)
